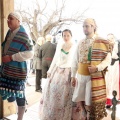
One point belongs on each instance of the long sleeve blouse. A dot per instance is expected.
(61, 59)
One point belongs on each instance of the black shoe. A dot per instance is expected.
(38, 90)
(108, 106)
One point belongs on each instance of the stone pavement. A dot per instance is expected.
(109, 111)
(33, 99)
(33, 104)
(33, 113)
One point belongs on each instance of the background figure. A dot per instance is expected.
(47, 52)
(28, 71)
(16, 50)
(112, 75)
(119, 65)
(37, 64)
(31, 67)
(31, 62)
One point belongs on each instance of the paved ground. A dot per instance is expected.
(33, 104)
(33, 99)
(109, 111)
(33, 114)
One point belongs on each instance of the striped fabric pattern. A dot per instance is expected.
(14, 69)
(14, 74)
(99, 51)
(98, 87)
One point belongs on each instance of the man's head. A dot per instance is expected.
(40, 40)
(14, 20)
(89, 26)
(49, 37)
(111, 38)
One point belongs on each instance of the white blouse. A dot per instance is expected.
(61, 59)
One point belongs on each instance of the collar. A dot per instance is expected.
(15, 31)
(93, 37)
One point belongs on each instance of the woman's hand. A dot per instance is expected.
(73, 81)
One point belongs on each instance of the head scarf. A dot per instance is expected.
(16, 15)
(92, 22)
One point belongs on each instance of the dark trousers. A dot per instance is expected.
(38, 79)
(45, 66)
(20, 101)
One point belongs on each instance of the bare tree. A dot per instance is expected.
(42, 21)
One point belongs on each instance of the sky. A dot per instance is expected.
(107, 16)
(105, 12)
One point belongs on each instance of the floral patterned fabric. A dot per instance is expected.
(84, 46)
(56, 102)
(76, 113)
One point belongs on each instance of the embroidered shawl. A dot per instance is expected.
(99, 51)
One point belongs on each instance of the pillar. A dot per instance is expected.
(6, 6)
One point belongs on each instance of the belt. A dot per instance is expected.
(83, 68)
(50, 59)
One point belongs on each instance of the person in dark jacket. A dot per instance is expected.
(37, 64)
(47, 52)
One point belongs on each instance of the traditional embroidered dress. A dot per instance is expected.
(14, 73)
(94, 51)
(57, 96)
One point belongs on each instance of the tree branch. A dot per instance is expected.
(41, 22)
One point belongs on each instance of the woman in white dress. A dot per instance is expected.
(56, 103)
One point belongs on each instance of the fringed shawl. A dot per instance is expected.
(13, 74)
(99, 51)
